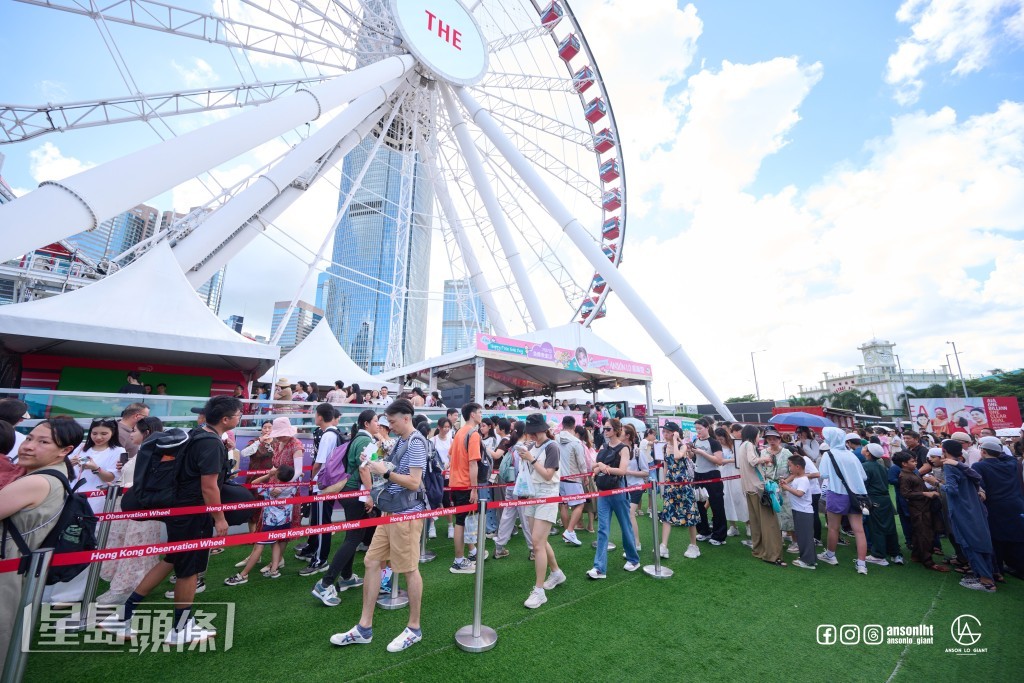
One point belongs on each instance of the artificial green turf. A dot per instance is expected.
(723, 616)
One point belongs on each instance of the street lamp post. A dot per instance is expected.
(757, 389)
(906, 399)
(959, 370)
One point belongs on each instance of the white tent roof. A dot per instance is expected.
(147, 311)
(320, 358)
(572, 336)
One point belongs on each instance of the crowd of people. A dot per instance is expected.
(723, 481)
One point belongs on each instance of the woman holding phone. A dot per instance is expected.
(542, 456)
(609, 471)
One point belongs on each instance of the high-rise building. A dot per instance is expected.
(235, 322)
(323, 288)
(303, 319)
(462, 315)
(118, 234)
(376, 303)
(212, 291)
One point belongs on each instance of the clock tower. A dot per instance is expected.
(878, 356)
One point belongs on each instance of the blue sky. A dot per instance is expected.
(799, 144)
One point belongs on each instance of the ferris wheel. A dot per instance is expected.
(491, 116)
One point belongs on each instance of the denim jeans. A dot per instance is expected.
(606, 505)
(492, 518)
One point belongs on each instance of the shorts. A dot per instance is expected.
(546, 512)
(571, 488)
(636, 496)
(840, 504)
(280, 527)
(399, 543)
(189, 528)
(460, 498)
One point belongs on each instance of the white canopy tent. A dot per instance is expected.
(320, 358)
(145, 312)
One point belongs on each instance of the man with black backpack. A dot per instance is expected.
(199, 472)
(317, 552)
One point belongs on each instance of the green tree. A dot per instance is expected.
(794, 401)
(1005, 384)
(746, 398)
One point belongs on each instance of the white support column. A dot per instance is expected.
(476, 273)
(356, 184)
(636, 304)
(494, 212)
(479, 379)
(81, 202)
(198, 249)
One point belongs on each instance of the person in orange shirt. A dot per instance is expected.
(464, 455)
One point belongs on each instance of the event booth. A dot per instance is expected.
(145, 317)
(541, 363)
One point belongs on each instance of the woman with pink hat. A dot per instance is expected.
(287, 451)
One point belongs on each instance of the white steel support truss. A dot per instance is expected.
(58, 209)
(475, 272)
(636, 303)
(490, 200)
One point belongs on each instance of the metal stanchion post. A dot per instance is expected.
(426, 555)
(476, 637)
(26, 616)
(80, 622)
(655, 570)
(397, 598)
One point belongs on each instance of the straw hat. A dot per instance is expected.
(282, 427)
(283, 382)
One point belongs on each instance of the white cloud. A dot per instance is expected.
(198, 75)
(961, 31)
(46, 162)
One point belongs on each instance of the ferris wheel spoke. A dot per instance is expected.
(520, 81)
(509, 110)
(209, 28)
(486, 192)
(474, 271)
(24, 122)
(637, 305)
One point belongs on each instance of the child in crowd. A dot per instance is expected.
(882, 539)
(275, 518)
(798, 489)
(919, 503)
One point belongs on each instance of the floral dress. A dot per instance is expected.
(779, 470)
(284, 454)
(680, 504)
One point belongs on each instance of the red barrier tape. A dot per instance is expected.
(228, 507)
(523, 502)
(248, 473)
(111, 554)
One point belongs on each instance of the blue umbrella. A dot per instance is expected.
(801, 419)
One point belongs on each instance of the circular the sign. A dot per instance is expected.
(444, 37)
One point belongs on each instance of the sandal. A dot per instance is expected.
(942, 569)
(777, 563)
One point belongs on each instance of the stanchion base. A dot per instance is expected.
(390, 601)
(428, 556)
(466, 641)
(661, 572)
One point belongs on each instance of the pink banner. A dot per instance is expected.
(576, 360)
(948, 415)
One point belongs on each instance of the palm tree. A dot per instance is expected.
(794, 401)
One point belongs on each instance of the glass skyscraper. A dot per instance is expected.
(301, 322)
(376, 301)
(462, 315)
(117, 234)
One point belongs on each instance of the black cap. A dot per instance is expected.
(201, 410)
(535, 424)
(953, 447)
(672, 427)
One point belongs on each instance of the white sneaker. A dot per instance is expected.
(121, 628)
(432, 532)
(451, 531)
(631, 566)
(861, 568)
(880, 561)
(326, 594)
(570, 538)
(803, 565)
(350, 637)
(190, 633)
(404, 640)
(793, 549)
(898, 560)
(592, 573)
(663, 551)
(536, 599)
(702, 537)
(554, 579)
(822, 557)
(241, 563)
(692, 552)
(733, 531)
(472, 556)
